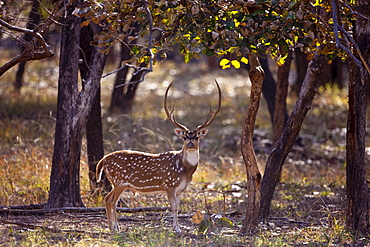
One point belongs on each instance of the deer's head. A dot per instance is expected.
(191, 137)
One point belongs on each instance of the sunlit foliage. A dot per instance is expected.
(222, 27)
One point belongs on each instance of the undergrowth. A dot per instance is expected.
(308, 206)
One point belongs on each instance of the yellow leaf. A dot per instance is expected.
(197, 217)
(85, 23)
(317, 3)
(236, 64)
(295, 39)
(244, 60)
(96, 20)
(224, 62)
(310, 56)
(281, 60)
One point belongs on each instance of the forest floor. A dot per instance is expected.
(309, 202)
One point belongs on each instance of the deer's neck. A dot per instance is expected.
(190, 157)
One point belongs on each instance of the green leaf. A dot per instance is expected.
(135, 50)
(225, 222)
(204, 226)
(209, 52)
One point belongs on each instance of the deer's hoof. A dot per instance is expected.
(114, 228)
(177, 229)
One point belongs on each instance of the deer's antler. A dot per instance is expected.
(213, 113)
(171, 116)
(170, 113)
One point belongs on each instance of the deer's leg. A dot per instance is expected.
(111, 205)
(175, 203)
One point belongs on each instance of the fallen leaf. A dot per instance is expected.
(197, 217)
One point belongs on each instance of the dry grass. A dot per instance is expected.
(308, 207)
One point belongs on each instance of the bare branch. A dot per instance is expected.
(15, 28)
(29, 52)
(32, 51)
(356, 47)
(26, 55)
(150, 42)
(51, 14)
(43, 6)
(57, 12)
(139, 69)
(354, 12)
(339, 44)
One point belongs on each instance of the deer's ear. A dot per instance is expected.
(179, 133)
(202, 133)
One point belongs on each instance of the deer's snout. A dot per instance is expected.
(190, 145)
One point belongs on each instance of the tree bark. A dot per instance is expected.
(268, 88)
(256, 75)
(284, 144)
(64, 179)
(94, 127)
(118, 90)
(72, 115)
(357, 194)
(282, 85)
(123, 95)
(301, 63)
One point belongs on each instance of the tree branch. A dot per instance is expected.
(354, 12)
(32, 51)
(139, 69)
(339, 44)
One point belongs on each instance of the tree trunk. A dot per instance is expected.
(256, 75)
(123, 95)
(72, 115)
(33, 21)
(95, 148)
(118, 90)
(65, 172)
(94, 128)
(282, 85)
(357, 194)
(301, 63)
(290, 134)
(268, 88)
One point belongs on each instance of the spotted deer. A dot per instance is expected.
(170, 172)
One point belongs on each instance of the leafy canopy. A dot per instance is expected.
(220, 27)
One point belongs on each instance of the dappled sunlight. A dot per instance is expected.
(308, 199)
